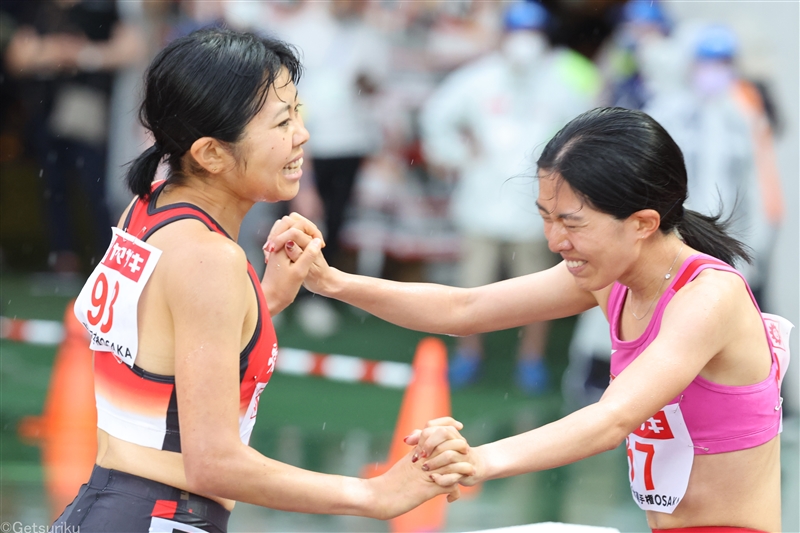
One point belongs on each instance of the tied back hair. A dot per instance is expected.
(210, 83)
(620, 161)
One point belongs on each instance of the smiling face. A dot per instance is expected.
(598, 249)
(271, 146)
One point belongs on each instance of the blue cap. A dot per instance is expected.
(716, 42)
(525, 16)
(647, 12)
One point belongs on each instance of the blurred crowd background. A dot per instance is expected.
(426, 119)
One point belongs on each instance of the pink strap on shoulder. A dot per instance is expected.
(773, 325)
(692, 268)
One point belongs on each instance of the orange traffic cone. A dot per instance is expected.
(427, 397)
(67, 431)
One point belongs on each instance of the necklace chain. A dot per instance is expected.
(658, 293)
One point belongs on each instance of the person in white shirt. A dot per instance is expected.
(484, 125)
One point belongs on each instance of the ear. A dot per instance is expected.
(209, 153)
(645, 222)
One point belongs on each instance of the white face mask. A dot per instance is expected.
(524, 49)
(711, 78)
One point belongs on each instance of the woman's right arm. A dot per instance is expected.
(441, 309)
(208, 291)
(433, 308)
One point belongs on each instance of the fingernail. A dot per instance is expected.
(290, 245)
(405, 439)
(414, 458)
(266, 258)
(425, 467)
(431, 476)
(271, 247)
(424, 453)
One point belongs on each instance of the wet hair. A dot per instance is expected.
(210, 83)
(620, 161)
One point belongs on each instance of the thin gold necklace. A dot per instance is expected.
(666, 277)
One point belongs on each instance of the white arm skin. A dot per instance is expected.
(211, 303)
(545, 295)
(699, 324)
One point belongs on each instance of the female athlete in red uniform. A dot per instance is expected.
(180, 324)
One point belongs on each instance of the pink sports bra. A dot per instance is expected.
(719, 418)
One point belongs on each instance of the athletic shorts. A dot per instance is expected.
(710, 529)
(114, 501)
(484, 259)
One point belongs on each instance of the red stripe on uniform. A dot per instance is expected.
(690, 270)
(164, 509)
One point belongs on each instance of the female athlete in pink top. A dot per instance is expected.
(695, 391)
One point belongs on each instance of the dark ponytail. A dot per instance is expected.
(709, 234)
(142, 170)
(621, 161)
(210, 83)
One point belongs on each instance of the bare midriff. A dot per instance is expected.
(157, 465)
(741, 488)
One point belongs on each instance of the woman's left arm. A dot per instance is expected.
(694, 329)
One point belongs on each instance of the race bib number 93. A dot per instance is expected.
(108, 303)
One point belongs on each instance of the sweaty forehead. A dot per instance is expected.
(557, 197)
(552, 188)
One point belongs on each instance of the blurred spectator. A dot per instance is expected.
(720, 123)
(193, 15)
(126, 136)
(65, 53)
(481, 126)
(460, 32)
(345, 62)
(640, 24)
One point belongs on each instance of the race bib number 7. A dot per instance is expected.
(107, 305)
(660, 457)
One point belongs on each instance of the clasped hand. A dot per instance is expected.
(444, 452)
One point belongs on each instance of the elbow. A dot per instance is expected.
(205, 470)
(463, 318)
(614, 439)
(462, 330)
(200, 475)
(617, 429)
(466, 326)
